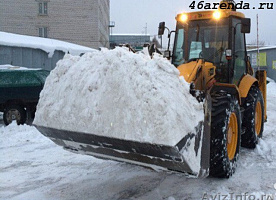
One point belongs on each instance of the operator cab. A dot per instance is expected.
(217, 37)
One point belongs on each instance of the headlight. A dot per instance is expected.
(184, 17)
(217, 15)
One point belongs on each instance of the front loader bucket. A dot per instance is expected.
(181, 158)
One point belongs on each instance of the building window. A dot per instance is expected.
(43, 32)
(43, 8)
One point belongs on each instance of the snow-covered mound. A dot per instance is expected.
(32, 167)
(119, 94)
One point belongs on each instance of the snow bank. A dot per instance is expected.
(267, 145)
(119, 94)
(45, 44)
(23, 131)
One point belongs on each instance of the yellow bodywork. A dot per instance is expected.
(201, 15)
(245, 85)
(202, 74)
(188, 71)
(199, 72)
(261, 76)
(232, 136)
(247, 82)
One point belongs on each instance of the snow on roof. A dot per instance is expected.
(263, 48)
(11, 67)
(129, 34)
(45, 44)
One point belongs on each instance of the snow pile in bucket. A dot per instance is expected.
(119, 94)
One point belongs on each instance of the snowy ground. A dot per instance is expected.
(32, 167)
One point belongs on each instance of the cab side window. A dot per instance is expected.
(239, 54)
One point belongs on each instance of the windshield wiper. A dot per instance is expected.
(218, 52)
(197, 34)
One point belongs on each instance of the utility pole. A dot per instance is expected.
(146, 32)
(258, 49)
(110, 26)
(146, 29)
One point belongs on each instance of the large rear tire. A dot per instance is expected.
(253, 120)
(14, 113)
(225, 135)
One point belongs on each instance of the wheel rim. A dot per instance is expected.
(258, 118)
(232, 136)
(12, 115)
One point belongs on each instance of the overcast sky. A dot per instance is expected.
(131, 16)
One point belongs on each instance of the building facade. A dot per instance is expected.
(266, 60)
(83, 22)
(35, 52)
(136, 41)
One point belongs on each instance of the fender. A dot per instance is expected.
(245, 85)
(261, 76)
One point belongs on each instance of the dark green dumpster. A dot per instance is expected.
(19, 93)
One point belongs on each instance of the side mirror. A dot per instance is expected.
(161, 28)
(228, 54)
(246, 25)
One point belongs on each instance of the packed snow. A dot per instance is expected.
(45, 44)
(33, 167)
(119, 94)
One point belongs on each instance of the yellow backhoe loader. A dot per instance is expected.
(210, 52)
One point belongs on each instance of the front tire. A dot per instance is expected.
(14, 113)
(225, 135)
(253, 120)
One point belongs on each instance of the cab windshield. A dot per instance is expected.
(201, 39)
